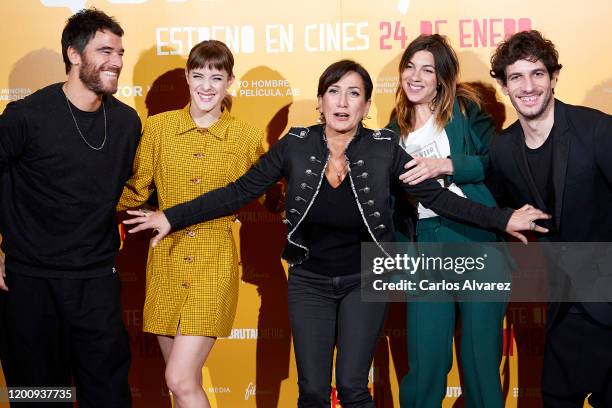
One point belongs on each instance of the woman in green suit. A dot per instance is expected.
(441, 125)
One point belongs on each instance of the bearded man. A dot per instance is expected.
(65, 154)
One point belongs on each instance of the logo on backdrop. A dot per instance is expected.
(251, 391)
(13, 94)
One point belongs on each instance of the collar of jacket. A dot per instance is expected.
(358, 132)
(218, 129)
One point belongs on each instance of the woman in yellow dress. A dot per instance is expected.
(192, 277)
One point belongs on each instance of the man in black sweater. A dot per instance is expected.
(556, 157)
(65, 154)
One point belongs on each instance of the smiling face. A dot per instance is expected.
(530, 88)
(419, 79)
(343, 105)
(207, 88)
(101, 62)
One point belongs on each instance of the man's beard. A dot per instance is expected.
(90, 76)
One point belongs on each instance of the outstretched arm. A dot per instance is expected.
(449, 204)
(216, 203)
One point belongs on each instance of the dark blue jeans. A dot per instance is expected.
(326, 312)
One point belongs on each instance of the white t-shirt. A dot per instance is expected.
(429, 141)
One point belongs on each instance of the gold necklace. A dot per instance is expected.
(339, 173)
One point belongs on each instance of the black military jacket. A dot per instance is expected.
(375, 163)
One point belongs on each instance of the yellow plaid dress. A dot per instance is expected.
(192, 274)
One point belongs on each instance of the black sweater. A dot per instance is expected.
(335, 231)
(58, 195)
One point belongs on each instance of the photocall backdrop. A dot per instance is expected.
(281, 48)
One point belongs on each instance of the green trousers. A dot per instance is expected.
(431, 328)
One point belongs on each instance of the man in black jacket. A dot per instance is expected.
(65, 153)
(557, 157)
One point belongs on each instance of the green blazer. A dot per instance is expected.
(469, 136)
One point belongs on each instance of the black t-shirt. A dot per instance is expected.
(91, 125)
(540, 162)
(334, 230)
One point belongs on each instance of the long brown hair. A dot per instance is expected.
(447, 74)
(213, 54)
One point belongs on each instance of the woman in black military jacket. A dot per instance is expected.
(339, 176)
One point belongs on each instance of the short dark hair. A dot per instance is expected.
(337, 70)
(213, 54)
(527, 45)
(82, 27)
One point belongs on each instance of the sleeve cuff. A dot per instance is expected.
(466, 169)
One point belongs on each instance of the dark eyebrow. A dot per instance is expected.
(107, 48)
(425, 65)
(533, 71)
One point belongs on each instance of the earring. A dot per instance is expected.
(321, 118)
(433, 103)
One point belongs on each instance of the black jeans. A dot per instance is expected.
(326, 312)
(60, 332)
